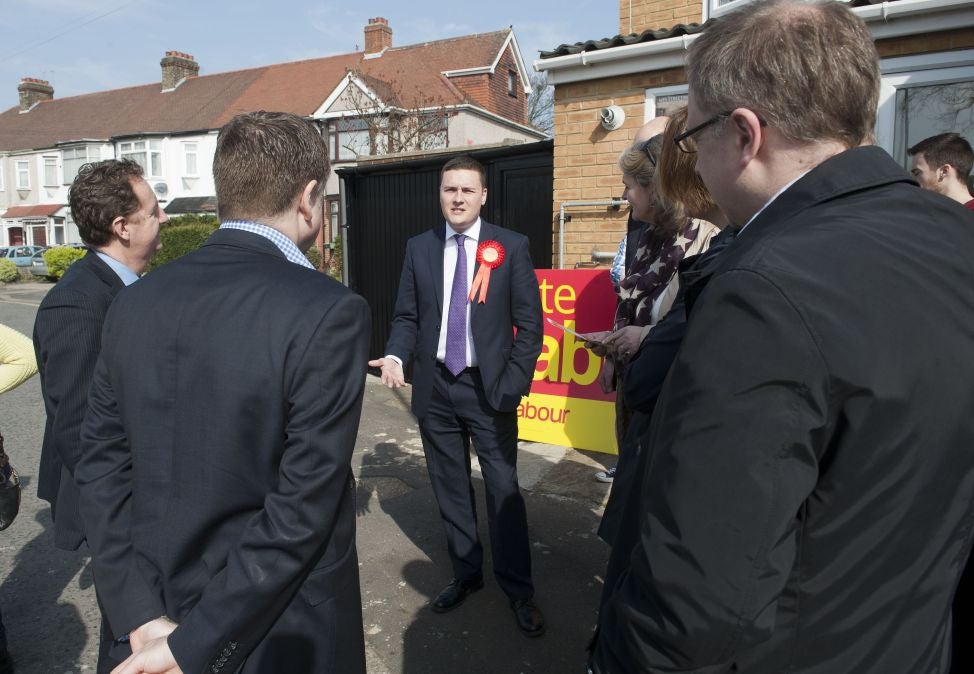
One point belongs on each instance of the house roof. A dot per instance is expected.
(36, 211)
(414, 73)
(649, 36)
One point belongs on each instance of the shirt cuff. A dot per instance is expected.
(395, 358)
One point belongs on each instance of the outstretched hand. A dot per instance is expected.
(391, 373)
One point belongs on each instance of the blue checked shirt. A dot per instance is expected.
(284, 244)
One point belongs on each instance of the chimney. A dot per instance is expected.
(176, 67)
(33, 91)
(378, 35)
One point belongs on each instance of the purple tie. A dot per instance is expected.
(456, 325)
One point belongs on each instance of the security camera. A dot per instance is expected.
(612, 117)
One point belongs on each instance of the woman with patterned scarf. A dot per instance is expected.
(650, 285)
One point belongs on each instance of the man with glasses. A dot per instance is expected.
(806, 507)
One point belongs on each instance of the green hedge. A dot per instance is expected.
(182, 235)
(59, 259)
(314, 256)
(8, 271)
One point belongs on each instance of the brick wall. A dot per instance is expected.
(655, 14)
(586, 156)
(490, 91)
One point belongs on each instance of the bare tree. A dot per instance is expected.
(378, 123)
(541, 104)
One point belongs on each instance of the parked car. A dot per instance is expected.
(23, 256)
(38, 265)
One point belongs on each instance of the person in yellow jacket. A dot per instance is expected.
(17, 362)
(17, 365)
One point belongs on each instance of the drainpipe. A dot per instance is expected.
(561, 221)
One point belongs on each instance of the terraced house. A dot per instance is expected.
(469, 90)
(605, 89)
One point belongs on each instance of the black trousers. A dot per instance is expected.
(458, 414)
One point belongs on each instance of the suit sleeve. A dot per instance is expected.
(103, 474)
(526, 314)
(405, 316)
(734, 459)
(282, 543)
(68, 339)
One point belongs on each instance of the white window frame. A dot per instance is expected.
(71, 165)
(912, 71)
(1, 176)
(22, 168)
(50, 179)
(712, 9)
(649, 107)
(149, 147)
(191, 149)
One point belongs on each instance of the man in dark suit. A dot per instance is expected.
(214, 478)
(118, 217)
(474, 355)
(806, 502)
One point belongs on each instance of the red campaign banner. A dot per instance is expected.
(583, 300)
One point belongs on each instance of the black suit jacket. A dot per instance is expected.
(215, 479)
(67, 339)
(506, 359)
(807, 503)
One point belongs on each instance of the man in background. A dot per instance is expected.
(215, 475)
(942, 164)
(118, 217)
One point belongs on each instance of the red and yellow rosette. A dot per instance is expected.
(490, 254)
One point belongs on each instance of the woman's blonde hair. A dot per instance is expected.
(641, 162)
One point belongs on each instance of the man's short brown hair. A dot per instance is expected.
(946, 148)
(263, 161)
(465, 163)
(101, 192)
(808, 68)
(678, 177)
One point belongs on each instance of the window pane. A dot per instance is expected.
(23, 175)
(50, 171)
(922, 112)
(667, 105)
(156, 164)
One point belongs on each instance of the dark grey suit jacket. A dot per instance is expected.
(215, 478)
(513, 304)
(67, 339)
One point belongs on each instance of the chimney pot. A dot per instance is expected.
(32, 91)
(378, 35)
(176, 67)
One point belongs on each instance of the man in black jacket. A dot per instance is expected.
(806, 503)
(215, 479)
(118, 217)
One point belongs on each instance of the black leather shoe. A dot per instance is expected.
(454, 594)
(529, 618)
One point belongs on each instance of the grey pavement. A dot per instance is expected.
(48, 599)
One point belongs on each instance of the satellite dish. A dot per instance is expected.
(162, 189)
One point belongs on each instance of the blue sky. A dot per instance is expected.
(82, 46)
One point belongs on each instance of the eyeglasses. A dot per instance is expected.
(683, 140)
(651, 147)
